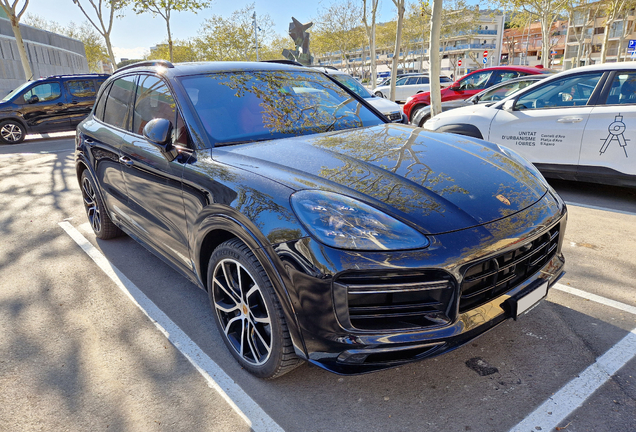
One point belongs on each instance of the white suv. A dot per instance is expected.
(409, 85)
(578, 125)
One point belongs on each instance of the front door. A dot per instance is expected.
(43, 108)
(154, 183)
(546, 125)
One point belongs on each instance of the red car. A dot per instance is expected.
(471, 84)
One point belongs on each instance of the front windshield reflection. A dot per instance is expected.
(237, 107)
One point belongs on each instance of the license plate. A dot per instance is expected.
(527, 302)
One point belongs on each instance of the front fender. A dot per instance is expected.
(217, 226)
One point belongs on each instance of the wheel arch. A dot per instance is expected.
(462, 129)
(18, 120)
(219, 228)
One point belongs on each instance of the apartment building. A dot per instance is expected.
(523, 45)
(586, 35)
(469, 46)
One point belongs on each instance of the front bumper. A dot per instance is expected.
(339, 340)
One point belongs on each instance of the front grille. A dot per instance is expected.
(395, 116)
(398, 301)
(484, 281)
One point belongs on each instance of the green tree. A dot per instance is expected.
(164, 9)
(338, 29)
(14, 13)
(614, 10)
(104, 16)
(182, 51)
(226, 39)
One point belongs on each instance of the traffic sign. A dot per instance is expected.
(631, 46)
(485, 60)
(486, 54)
(553, 52)
(459, 62)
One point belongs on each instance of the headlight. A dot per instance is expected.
(345, 223)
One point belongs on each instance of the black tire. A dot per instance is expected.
(102, 226)
(379, 94)
(247, 312)
(12, 132)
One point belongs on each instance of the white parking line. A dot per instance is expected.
(560, 405)
(217, 379)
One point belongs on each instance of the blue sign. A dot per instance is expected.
(631, 46)
(485, 60)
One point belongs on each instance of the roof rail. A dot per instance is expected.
(284, 61)
(164, 63)
(76, 75)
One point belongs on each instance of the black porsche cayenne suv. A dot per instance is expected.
(320, 231)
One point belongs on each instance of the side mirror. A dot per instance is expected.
(33, 99)
(509, 105)
(476, 99)
(455, 86)
(159, 132)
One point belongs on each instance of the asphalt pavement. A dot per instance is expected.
(102, 335)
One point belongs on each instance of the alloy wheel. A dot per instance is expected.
(242, 311)
(90, 202)
(10, 132)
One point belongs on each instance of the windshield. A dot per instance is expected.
(16, 91)
(238, 107)
(352, 84)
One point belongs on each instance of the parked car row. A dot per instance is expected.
(578, 124)
(409, 85)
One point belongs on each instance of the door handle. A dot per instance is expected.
(60, 104)
(569, 120)
(126, 161)
(74, 102)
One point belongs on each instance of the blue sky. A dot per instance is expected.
(135, 34)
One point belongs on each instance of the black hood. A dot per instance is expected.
(440, 182)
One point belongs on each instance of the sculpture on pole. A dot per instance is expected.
(300, 36)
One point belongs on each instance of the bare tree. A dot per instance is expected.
(14, 17)
(399, 4)
(628, 28)
(434, 57)
(613, 10)
(164, 9)
(103, 22)
(579, 21)
(546, 11)
(370, 30)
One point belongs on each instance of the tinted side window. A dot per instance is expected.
(44, 92)
(84, 88)
(153, 100)
(422, 80)
(118, 102)
(623, 89)
(567, 92)
(98, 111)
(476, 81)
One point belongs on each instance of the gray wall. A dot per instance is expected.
(48, 53)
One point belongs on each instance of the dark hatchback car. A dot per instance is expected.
(53, 104)
(321, 231)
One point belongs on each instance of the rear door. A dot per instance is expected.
(81, 97)
(609, 147)
(105, 131)
(154, 183)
